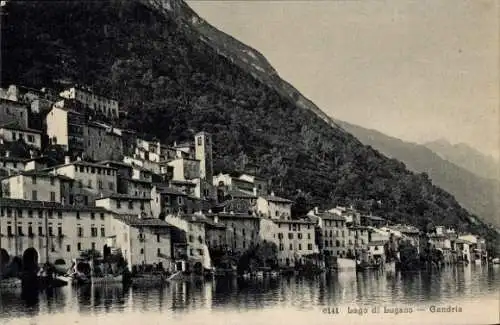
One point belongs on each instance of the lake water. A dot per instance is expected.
(474, 290)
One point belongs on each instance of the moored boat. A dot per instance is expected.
(107, 279)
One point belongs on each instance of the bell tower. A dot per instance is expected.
(203, 153)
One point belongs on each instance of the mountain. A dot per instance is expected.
(477, 194)
(466, 157)
(173, 74)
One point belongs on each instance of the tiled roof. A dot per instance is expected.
(169, 190)
(301, 221)
(133, 220)
(373, 218)
(17, 127)
(83, 163)
(18, 203)
(241, 195)
(277, 199)
(13, 159)
(136, 180)
(182, 182)
(118, 196)
(114, 162)
(237, 216)
(331, 216)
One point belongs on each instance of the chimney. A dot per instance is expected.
(316, 210)
(78, 158)
(272, 193)
(67, 160)
(216, 219)
(7, 153)
(255, 191)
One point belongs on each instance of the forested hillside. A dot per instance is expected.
(172, 84)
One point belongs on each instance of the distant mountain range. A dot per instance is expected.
(467, 157)
(446, 167)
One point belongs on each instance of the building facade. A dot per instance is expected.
(101, 104)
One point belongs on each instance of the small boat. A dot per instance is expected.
(10, 283)
(259, 274)
(106, 279)
(496, 260)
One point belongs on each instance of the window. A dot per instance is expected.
(34, 195)
(93, 246)
(79, 246)
(99, 184)
(200, 141)
(9, 231)
(118, 204)
(20, 230)
(130, 205)
(33, 180)
(290, 235)
(179, 200)
(326, 243)
(9, 213)
(157, 238)
(30, 213)
(92, 215)
(31, 138)
(308, 236)
(142, 205)
(111, 185)
(93, 231)
(59, 214)
(52, 181)
(300, 247)
(40, 231)
(19, 213)
(51, 233)
(80, 231)
(59, 231)
(90, 183)
(53, 196)
(103, 232)
(309, 247)
(68, 248)
(158, 251)
(337, 243)
(102, 216)
(78, 215)
(291, 247)
(49, 213)
(299, 235)
(190, 238)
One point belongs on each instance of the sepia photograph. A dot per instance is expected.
(249, 162)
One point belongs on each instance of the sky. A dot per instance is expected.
(417, 70)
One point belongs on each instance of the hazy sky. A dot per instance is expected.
(417, 70)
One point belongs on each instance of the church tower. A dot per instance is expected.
(203, 153)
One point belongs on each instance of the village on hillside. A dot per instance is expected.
(159, 207)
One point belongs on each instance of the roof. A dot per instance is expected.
(301, 221)
(241, 195)
(135, 180)
(331, 216)
(169, 190)
(18, 203)
(373, 218)
(13, 102)
(463, 241)
(14, 159)
(114, 162)
(134, 221)
(272, 198)
(17, 127)
(182, 182)
(117, 196)
(377, 243)
(83, 163)
(236, 216)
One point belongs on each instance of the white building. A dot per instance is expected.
(126, 204)
(275, 207)
(13, 132)
(104, 105)
(49, 229)
(142, 240)
(185, 169)
(94, 177)
(65, 127)
(296, 239)
(33, 185)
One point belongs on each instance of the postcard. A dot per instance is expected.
(249, 162)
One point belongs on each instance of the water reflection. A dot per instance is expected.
(303, 293)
